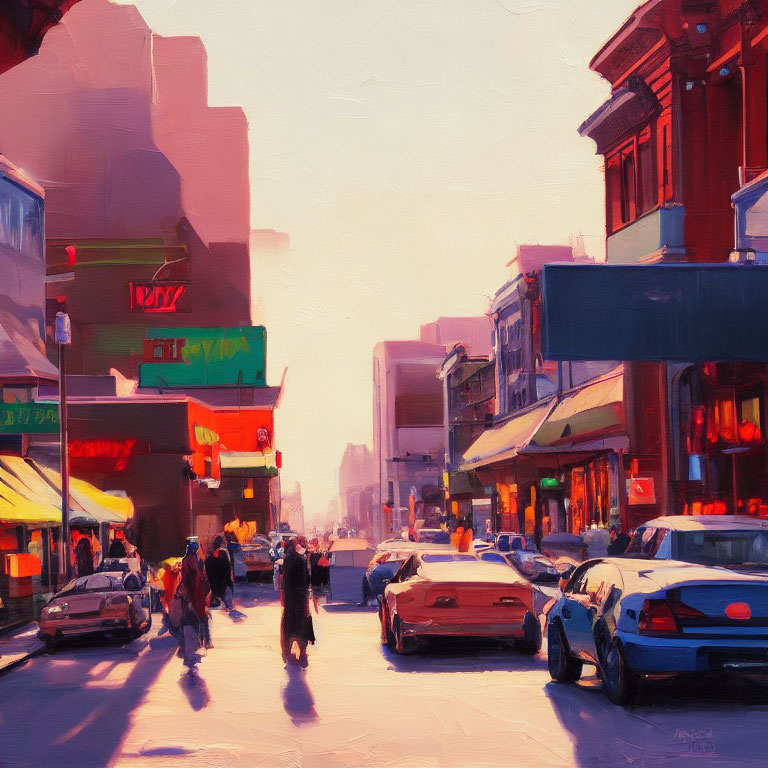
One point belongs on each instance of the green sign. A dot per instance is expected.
(205, 357)
(24, 418)
(549, 482)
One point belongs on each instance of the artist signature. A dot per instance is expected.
(697, 739)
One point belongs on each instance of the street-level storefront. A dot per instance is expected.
(721, 460)
(30, 516)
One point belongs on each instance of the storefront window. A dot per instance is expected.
(722, 420)
(749, 420)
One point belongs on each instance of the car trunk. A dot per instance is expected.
(728, 609)
(467, 602)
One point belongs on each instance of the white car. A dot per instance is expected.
(729, 541)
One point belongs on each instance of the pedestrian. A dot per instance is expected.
(619, 542)
(83, 557)
(218, 569)
(117, 547)
(296, 629)
(190, 608)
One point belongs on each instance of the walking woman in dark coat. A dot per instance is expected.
(84, 557)
(296, 625)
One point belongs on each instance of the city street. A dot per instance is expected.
(356, 705)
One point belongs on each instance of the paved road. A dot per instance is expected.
(357, 705)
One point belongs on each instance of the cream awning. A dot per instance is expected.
(596, 406)
(505, 441)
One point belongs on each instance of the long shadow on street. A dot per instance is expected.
(58, 709)
(671, 725)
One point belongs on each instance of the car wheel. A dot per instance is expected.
(531, 642)
(563, 668)
(618, 680)
(403, 645)
(387, 636)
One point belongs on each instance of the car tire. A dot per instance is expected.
(619, 683)
(387, 636)
(563, 668)
(531, 642)
(403, 645)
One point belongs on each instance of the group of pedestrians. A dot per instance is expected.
(191, 588)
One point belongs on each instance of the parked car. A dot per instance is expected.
(530, 563)
(433, 535)
(730, 541)
(110, 604)
(635, 619)
(452, 594)
(378, 574)
(256, 556)
(478, 545)
(507, 541)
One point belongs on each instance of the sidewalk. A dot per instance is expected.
(16, 647)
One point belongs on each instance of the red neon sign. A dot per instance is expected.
(156, 297)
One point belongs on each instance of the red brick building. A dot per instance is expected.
(685, 128)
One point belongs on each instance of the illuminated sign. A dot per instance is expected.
(156, 297)
(641, 490)
(24, 418)
(104, 455)
(549, 482)
(213, 357)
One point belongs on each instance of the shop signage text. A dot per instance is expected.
(23, 418)
(156, 297)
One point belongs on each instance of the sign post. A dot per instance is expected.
(63, 337)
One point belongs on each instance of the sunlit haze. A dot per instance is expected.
(406, 148)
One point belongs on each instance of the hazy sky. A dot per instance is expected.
(406, 147)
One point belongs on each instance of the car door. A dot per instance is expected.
(576, 619)
(600, 592)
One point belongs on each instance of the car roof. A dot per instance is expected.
(667, 572)
(472, 572)
(707, 523)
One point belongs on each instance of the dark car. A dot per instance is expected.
(377, 576)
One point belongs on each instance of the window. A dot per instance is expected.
(648, 188)
(628, 187)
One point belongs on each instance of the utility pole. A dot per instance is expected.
(63, 339)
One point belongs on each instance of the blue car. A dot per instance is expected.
(636, 619)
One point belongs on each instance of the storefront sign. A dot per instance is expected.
(104, 455)
(156, 297)
(641, 490)
(549, 482)
(210, 357)
(23, 418)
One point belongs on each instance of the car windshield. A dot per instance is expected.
(98, 582)
(746, 550)
(387, 569)
(448, 558)
(493, 557)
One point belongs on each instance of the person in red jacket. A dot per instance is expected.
(192, 594)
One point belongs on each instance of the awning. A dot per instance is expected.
(88, 503)
(248, 463)
(465, 484)
(17, 509)
(505, 441)
(596, 407)
(41, 484)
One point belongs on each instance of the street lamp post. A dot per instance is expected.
(63, 338)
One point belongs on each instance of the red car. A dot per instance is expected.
(110, 604)
(451, 594)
